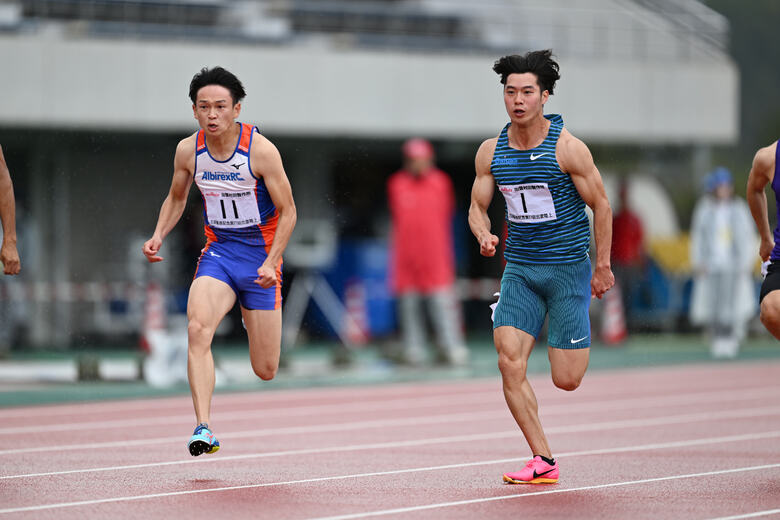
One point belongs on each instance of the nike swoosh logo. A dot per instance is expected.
(537, 475)
(535, 157)
(573, 341)
(214, 254)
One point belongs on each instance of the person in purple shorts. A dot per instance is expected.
(765, 171)
(249, 215)
(9, 255)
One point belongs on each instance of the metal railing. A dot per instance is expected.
(597, 29)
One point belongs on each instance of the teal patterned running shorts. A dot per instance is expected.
(529, 292)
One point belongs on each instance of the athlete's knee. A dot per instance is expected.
(199, 333)
(195, 327)
(511, 364)
(568, 381)
(265, 371)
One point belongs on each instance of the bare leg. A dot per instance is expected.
(210, 299)
(264, 329)
(770, 313)
(514, 346)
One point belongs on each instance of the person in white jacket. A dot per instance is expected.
(723, 255)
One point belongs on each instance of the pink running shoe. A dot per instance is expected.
(536, 471)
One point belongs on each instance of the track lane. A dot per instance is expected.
(685, 404)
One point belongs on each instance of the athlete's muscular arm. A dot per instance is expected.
(576, 160)
(761, 174)
(267, 162)
(8, 252)
(173, 206)
(481, 196)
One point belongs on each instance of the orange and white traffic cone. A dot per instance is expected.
(613, 324)
(356, 319)
(165, 363)
(155, 317)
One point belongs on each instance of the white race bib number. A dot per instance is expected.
(232, 209)
(528, 203)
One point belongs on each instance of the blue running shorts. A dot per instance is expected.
(561, 291)
(236, 264)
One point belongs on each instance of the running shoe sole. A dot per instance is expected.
(198, 447)
(540, 480)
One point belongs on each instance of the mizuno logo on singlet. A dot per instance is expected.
(226, 176)
(237, 166)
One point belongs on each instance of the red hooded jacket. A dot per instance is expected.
(422, 252)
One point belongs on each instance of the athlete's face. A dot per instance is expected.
(214, 109)
(523, 98)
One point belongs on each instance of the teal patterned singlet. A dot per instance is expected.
(545, 214)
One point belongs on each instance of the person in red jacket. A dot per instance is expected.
(422, 266)
(628, 252)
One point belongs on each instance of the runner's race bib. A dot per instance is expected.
(235, 209)
(528, 203)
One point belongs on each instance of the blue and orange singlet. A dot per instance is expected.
(236, 204)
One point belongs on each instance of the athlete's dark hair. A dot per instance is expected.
(217, 76)
(540, 63)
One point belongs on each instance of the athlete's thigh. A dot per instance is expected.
(244, 274)
(519, 305)
(771, 301)
(568, 303)
(568, 364)
(264, 328)
(209, 300)
(513, 343)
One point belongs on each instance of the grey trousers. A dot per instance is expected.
(445, 317)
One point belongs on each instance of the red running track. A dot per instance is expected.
(695, 441)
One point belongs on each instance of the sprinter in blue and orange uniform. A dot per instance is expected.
(547, 177)
(249, 215)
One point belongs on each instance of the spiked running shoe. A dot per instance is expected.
(536, 471)
(202, 441)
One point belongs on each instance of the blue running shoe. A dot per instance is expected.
(202, 441)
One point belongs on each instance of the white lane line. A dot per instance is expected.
(549, 492)
(403, 404)
(625, 449)
(382, 423)
(269, 394)
(286, 430)
(634, 423)
(257, 397)
(416, 421)
(749, 515)
(265, 413)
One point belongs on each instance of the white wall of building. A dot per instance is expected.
(71, 82)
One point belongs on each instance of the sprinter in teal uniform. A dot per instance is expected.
(547, 177)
